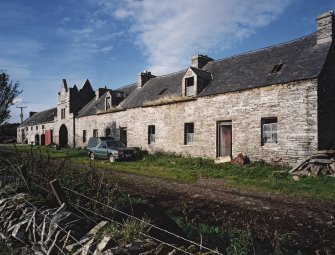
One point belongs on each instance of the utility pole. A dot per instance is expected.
(21, 114)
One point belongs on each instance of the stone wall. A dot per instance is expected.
(294, 105)
(326, 103)
(30, 132)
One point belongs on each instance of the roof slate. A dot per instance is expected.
(40, 118)
(155, 88)
(93, 107)
(302, 58)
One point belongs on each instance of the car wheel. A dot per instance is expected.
(111, 158)
(92, 157)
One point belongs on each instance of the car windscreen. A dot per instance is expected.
(115, 144)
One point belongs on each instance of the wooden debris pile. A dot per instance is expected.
(321, 163)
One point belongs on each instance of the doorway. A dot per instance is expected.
(63, 136)
(224, 138)
(37, 139)
(123, 135)
(43, 139)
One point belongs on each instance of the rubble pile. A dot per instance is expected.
(321, 163)
(58, 231)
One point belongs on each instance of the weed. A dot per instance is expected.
(240, 242)
(131, 230)
(255, 176)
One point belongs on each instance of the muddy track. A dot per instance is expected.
(310, 224)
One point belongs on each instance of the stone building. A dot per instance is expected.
(275, 103)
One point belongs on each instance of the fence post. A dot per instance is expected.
(25, 177)
(58, 192)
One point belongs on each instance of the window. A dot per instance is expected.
(95, 132)
(188, 133)
(43, 127)
(26, 128)
(189, 86)
(62, 113)
(84, 136)
(108, 103)
(36, 127)
(108, 132)
(31, 128)
(277, 68)
(151, 134)
(269, 130)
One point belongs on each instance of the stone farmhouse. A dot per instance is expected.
(275, 103)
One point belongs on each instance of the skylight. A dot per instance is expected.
(277, 68)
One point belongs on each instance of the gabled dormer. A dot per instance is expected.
(108, 101)
(194, 81)
(113, 98)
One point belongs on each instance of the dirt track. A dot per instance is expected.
(311, 225)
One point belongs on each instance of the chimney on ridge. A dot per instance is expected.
(325, 27)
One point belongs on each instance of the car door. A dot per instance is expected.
(102, 150)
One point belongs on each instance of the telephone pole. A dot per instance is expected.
(21, 114)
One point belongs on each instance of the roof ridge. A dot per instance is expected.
(264, 48)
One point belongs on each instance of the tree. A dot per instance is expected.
(8, 92)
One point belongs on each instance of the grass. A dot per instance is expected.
(131, 230)
(256, 176)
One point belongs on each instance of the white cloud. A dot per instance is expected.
(171, 31)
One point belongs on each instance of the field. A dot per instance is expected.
(259, 206)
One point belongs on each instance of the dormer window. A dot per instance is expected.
(189, 86)
(108, 103)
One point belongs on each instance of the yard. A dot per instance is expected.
(257, 177)
(259, 198)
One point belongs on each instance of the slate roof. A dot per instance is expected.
(157, 87)
(93, 107)
(40, 117)
(302, 58)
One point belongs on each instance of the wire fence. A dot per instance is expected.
(81, 209)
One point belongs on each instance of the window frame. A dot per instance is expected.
(62, 113)
(188, 133)
(189, 86)
(84, 136)
(108, 103)
(272, 124)
(151, 134)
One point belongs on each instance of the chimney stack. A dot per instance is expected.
(142, 78)
(100, 91)
(199, 61)
(325, 27)
(31, 114)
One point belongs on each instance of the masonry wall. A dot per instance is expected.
(29, 133)
(326, 104)
(294, 105)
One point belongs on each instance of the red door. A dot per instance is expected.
(224, 138)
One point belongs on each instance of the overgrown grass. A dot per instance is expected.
(131, 230)
(256, 176)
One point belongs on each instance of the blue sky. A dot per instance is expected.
(110, 41)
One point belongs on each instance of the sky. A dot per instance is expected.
(110, 41)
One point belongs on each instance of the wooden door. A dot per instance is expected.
(123, 135)
(224, 138)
